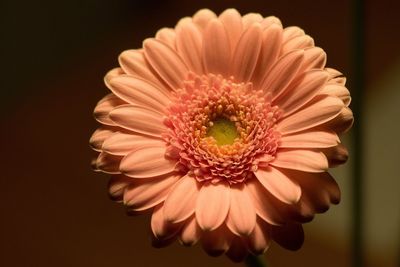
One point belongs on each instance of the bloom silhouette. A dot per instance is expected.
(224, 129)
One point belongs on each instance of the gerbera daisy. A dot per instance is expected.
(224, 128)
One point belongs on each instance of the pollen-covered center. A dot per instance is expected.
(219, 129)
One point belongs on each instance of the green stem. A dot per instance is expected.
(254, 261)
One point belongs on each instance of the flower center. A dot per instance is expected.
(223, 131)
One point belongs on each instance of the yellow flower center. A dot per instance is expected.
(223, 131)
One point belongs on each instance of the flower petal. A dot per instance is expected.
(212, 205)
(292, 32)
(310, 139)
(279, 184)
(191, 232)
(238, 250)
(270, 20)
(108, 163)
(104, 107)
(337, 90)
(140, 92)
(318, 111)
(99, 136)
(232, 21)
(260, 239)
(189, 44)
(251, 18)
(167, 36)
(139, 120)
(122, 143)
(298, 42)
(143, 194)
(289, 236)
(314, 58)
(282, 73)
(117, 185)
(302, 160)
(165, 62)
(112, 74)
(203, 17)
(303, 90)
(216, 48)
(337, 155)
(241, 218)
(341, 123)
(146, 162)
(181, 201)
(246, 53)
(160, 227)
(217, 241)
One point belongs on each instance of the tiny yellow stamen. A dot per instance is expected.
(223, 131)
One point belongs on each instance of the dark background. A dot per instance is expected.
(54, 54)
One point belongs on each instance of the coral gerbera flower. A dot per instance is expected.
(224, 129)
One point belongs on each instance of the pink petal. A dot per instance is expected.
(292, 32)
(122, 143)
(299, 42)
(268, 21)
(167, 36)
(337, 90)
(140, 92)
(212, 205)
(302, 160)
(134, 63)
(99, 136)
(165, 62)
(189, 43)
(289, 236)
(203, 17)
(318, 111)
(260, 239)
(271, 45)
(216, 48)
(246, 53)
(217, 242)
(146, 162)
(279, 184)
(181, 201)
(104, 107)
(117, 185)
(191, 232)
(160, 227)
(138, 119)
(262, 203)
(314, 58)
(146, 193)
(337, 155)
(242, 215)
(112, 74)
(282, 73)
(251, 18)
(238, 250)
(310, 139)
(232, 21)
(108, 163)
(302, 91)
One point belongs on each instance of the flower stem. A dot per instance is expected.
(254, 261)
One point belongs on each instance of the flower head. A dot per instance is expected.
(224, 129)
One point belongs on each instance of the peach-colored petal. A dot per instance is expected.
(337, 155)
(108, 163)
(218, 241)
(246, 53)
(148, 161)
(112, 74)
(143, 194)
(191, 232)
(212, 205)
(289, 236)
(292, 32)
(160, 227)
(117, 185)
(216, 48)
(310, 139)
(316, 113)
(262, 203)
(282, 73)
(167, 36)
(138, 119)
(271, 46)
(140, 92)
(165, 62)
(241, 218)
(314, 58)
(189, 44)
(260, 239)
(298, 42)
(181, 201)
(203, 17)
(251, 18)
(122, 143)
(238, 250)
(133, 63)
(302, 92)
(268, 21)
(302, 160)
(99, 136)
(341, 123)
(337, 90)
(232, 21)
(279, 184)
(104, 107)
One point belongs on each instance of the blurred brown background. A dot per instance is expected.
(54, 209)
